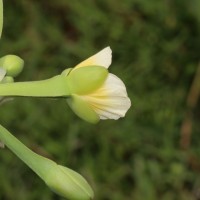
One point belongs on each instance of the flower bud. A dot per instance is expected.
(68, 183)
(84, 80)
(12, 64)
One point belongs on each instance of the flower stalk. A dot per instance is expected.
(1, 16)
(53, 87)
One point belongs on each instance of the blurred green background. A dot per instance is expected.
(151, 154)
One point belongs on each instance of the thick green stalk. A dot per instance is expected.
(1, 17)
(36, 162)
(53, 87)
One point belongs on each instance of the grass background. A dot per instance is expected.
(152, 153)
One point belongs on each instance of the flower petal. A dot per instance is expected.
(102, 58)
(111, 100)
(2, 73)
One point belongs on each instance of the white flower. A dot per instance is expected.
(110, 101)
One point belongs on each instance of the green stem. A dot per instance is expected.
(37, 163)
(1, 17)
(53, 87)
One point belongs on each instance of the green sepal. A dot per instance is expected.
(83, 109)
(85, 80)
(12, 64)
